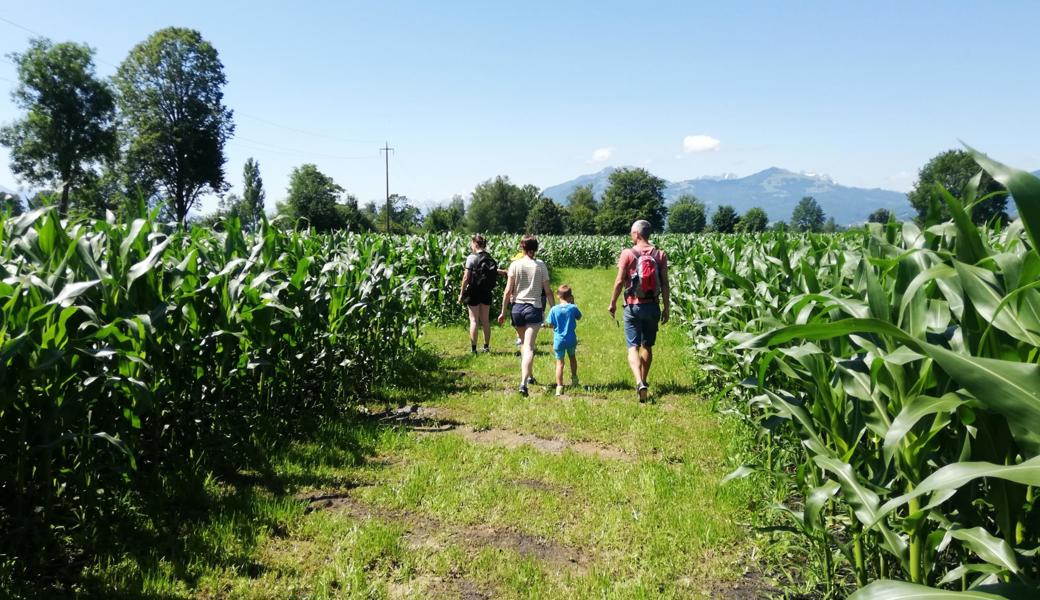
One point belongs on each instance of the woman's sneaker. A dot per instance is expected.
(559, 390)
(642, 390)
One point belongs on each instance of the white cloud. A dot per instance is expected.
(601, 155)
(699, 143)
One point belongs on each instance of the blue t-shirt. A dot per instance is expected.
(564, 319)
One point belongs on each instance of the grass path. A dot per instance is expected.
(469, 490)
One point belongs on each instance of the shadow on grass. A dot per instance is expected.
(186, 525)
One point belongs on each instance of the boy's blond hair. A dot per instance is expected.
(565, 292)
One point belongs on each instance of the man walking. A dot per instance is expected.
(643, 273)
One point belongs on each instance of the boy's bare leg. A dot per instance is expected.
(574, 366)
(559, 371)
(485, 320)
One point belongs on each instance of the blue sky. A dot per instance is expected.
(865, 92)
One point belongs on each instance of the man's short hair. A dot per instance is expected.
(642, 227)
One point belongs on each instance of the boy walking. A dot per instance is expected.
(563, 318)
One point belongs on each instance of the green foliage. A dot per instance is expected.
(581, 211)
(633, 194)
(546, 217)
(755, 220)
(11, 204)
(404, 218)
(253, 195)
(881, 215)
(724, 219)
(315, 198)
(171, 102)
(499, 206)
(830, 226)
(687, 215)
(807, 216)
(894, 374)
(69, 125)
(446, 218)
(136, 352)
(953, 170)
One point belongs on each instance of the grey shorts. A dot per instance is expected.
(641, 321)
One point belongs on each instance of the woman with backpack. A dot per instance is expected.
(528, 280)
(478, 286)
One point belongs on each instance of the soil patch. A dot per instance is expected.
(430, 420)
(422, 531)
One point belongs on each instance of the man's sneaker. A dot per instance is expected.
(523, 391)
(559, 390)
(531, 381)
(642, 390)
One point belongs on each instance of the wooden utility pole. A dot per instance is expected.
(387, 150)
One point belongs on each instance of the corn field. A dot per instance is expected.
(133, 351)
(893, 373)
(894, 377)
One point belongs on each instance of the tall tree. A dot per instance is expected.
(451, 217)
(172, 103)
(69, 125)
(724, 219)
(253, 194)
(404, 218)
(952, 170)
(632, 194)
(313, 196)
(687, 215)
(581, 211)
(807, 216)
(11, 203)
(881, 215)
(754, 220)
(498, 206)
(546, 218)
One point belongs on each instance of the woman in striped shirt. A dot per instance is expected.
(528, 280)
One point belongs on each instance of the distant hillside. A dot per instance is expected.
(775, 190)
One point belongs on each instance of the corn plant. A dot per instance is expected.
(899, 369)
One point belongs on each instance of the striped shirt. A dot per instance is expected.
(529, 276)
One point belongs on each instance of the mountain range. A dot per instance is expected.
(775, 190)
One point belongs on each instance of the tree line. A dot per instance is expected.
(154, 135)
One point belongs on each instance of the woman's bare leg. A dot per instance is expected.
(485, 321)
(529, 336)
(474, 320)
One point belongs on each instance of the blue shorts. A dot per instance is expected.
(525, 315)
(641, 322)
(564, 348)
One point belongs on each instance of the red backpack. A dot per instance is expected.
(645, 275)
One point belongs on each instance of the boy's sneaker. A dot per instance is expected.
(559, 390)
(523, 391)
(643, 391)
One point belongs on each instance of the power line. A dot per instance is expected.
(305, 132)
(285, 150)
(22, 27)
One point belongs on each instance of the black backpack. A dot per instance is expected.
(484, 275)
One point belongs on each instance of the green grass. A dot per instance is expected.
(443, 515)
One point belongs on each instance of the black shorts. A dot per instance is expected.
(478, 298)
(525, 315)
